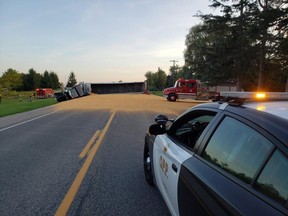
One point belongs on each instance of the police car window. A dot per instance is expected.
(273, 180)
(238, 149)
(191, 127)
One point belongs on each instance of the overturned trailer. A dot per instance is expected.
(86, 88)
(121, 87)
(79, 90)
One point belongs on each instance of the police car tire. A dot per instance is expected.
(147, 165)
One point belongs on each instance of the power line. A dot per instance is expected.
(174, 61)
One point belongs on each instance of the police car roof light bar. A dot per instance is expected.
(255, 95)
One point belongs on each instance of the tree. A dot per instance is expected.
(156, 81)
(206, 50)
(161, 78)
(270, 27)
(71, 80)
(247, 42)
(11, 79)
(196, 51)
(230, 53)
(45, 80)
(50, 80)
(32, 80)
(174, 75)
(149, 80)
(54, 80)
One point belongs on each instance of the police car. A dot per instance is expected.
(224, 158)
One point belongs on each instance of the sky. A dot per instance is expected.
(99, 40)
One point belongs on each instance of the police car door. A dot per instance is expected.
(167, 158)
(172, 149)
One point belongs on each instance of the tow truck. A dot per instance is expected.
(194, 89)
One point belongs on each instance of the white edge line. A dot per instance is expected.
(12, 126)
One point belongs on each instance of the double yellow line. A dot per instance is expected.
(68, 199)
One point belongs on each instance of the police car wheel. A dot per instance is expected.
(147, 165)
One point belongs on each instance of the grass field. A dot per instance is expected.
(13, 105)
(158, 93)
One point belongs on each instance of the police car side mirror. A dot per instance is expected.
(157, 129)
(161, 119)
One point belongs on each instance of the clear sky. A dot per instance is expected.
(99, 40)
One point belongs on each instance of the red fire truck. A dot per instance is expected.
(193, 89)
(44, 92)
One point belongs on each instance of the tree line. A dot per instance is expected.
(12, 80)
(245, 40)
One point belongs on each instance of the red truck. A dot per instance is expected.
(193, 89)
(44, 92)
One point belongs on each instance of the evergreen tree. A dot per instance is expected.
(45, 81)
(71, 80)
(32, 80)
(247, 42)
(54, 80)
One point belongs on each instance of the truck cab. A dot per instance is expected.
(182, 89)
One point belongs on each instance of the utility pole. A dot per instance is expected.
(173, 72)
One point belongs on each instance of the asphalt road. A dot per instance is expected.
(40, 164)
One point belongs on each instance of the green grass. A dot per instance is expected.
(13, 105)
(158, 93)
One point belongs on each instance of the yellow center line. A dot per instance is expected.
(89, 144)
(68, 199)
